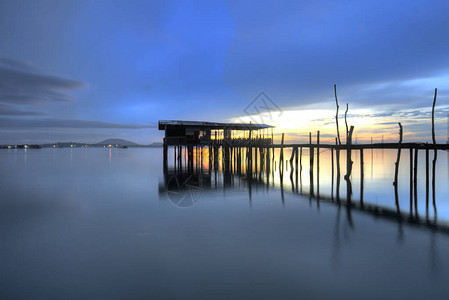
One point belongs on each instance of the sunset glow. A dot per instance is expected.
(368, 123)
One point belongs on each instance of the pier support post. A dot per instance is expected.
(362, 176)
(427, 181)
(415, 181)
(396, 169)
(337, 155)
(165, 153)
(411, 179)
(318, 164)
(332, 174)
(349, 153)
(189, 157)
(312, 154)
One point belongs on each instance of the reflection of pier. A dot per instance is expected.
(233, 147)
(261, 169)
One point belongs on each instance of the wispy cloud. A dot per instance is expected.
(9, 110)
(22, 83)
(66, 123)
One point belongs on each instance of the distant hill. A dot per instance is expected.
(120, 142)
(155, 144)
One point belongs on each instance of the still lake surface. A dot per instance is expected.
(104, 224)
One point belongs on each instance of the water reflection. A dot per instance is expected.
(97, 223)
(265, 169)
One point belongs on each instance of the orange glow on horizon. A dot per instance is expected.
(369, 124)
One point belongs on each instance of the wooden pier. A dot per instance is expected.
(258, 165)
(249, 149)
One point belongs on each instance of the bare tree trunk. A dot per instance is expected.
(336, 115)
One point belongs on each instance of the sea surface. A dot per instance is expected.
(115, 224)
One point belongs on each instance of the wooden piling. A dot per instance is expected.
(396, 169)
(349, 166)
(318, 164)
(293, 155)
(281, 155)
(346, 122)
(268, 161)
(435, 151)
(349, 153)
(337, 155)
(415, 181)
(336, 115)
(311, 164)
(427, 180)
(332, 174)
(174, 157)
(180, 158)
(411, 180)
(296, 160)
(434, 164)
(361, 177)
(433, 117)
(300, 167)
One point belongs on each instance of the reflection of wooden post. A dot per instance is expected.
(293, 155)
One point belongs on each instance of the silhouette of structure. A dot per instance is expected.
(193, 133)
(231, 137)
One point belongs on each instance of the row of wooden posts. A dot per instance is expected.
(238, 159)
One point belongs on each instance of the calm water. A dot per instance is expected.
(108, 224)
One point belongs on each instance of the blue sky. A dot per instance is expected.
(90, 70)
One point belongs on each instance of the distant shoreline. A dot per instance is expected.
(109, 143)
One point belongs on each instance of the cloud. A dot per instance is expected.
(296, 50)
(8, 110)
(66, 123)
(16, 64)
(21, 83)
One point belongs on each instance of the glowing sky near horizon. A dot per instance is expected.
(90, 70)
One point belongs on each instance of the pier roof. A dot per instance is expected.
(163, 124)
